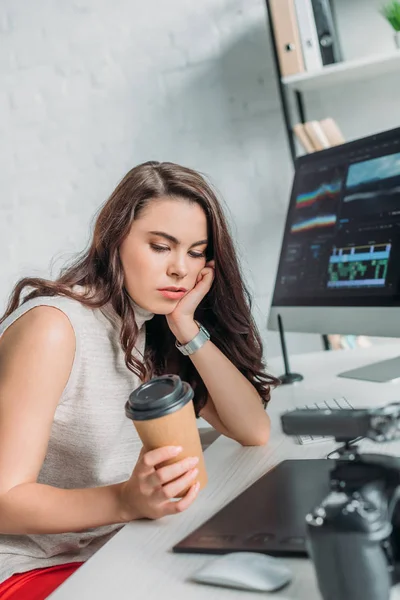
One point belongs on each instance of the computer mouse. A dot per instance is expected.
(245, 571)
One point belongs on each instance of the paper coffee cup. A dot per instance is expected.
(163, 413)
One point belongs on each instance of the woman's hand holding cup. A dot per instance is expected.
(151, 487)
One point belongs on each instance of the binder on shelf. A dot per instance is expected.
(332, 132)
(303, 138)
(308, 35)
(326, 32)
(288, 45)
(316, 135)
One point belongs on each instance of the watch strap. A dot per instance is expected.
(196, 343)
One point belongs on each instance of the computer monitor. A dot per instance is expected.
(339, 267)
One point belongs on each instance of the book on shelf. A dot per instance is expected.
(318, 135)
(287, 37)
(303, 138)
(332, 131)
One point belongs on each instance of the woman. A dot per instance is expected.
(161, 261)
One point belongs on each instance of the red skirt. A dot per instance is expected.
(37, 584)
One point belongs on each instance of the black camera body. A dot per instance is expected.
(354, 533)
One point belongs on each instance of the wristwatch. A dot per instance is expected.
(196, 343)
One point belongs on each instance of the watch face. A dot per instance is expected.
(204, 331)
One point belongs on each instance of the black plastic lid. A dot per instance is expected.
(158, 397)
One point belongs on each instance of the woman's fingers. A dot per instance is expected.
(166, 474)
(185, 502)
(158, 486)
(155, 457)
(207, 272)
(176, 487)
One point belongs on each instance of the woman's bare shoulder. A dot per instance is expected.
(40, 325)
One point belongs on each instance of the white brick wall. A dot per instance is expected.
(89, 88)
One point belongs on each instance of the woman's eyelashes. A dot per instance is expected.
(158, 248)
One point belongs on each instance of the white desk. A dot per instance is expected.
(138, 563)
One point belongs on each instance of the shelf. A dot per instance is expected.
(351, 70)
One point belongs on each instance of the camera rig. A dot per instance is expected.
(354, 533)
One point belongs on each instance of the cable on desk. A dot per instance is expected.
(351, 442)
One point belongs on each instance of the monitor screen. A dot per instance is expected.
(341, 245)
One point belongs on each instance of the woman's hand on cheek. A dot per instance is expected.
(181, 319)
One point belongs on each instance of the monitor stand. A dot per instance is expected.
(288, 376)
(385, 370)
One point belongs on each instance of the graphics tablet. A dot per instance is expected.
(269, 516)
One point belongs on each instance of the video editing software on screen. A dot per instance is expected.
(342, 240)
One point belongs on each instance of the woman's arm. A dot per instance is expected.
(36, 356)
(234, 407)
(30, 508)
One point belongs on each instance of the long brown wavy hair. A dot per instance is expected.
(225, 311)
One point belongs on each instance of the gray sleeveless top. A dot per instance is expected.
(92, 443)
